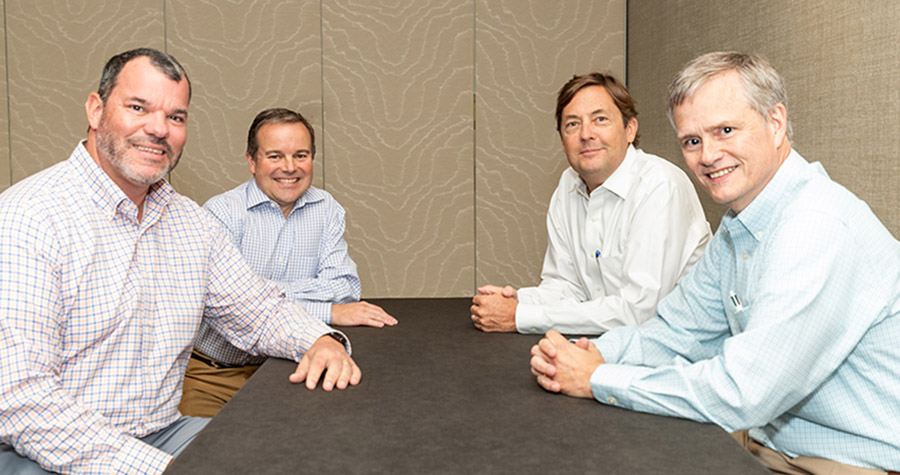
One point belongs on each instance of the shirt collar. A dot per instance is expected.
(256, 197)
(107, 195)
(755, 218)
(619, 181)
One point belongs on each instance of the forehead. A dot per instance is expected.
(721, 98)
(589, 100)
(139, 78)
(278, 134)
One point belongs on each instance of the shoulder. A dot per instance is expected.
(230, 205)
(39, 200)
(653, 170)
(321, 198)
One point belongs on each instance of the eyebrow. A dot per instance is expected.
(593, 113)
(144, 102)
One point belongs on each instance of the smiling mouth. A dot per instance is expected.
(288, 181)
(150, 150)
(721, 172)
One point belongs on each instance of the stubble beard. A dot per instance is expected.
(115, 148)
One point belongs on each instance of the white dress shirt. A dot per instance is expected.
(613, 254)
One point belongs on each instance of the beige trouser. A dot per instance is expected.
(778, 462)
(207, 388)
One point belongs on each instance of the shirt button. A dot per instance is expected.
(600, 288)
(746, 255)
(533, 330)
(611, 400)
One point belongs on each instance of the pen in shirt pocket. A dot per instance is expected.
(736, 302)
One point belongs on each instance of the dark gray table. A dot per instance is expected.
(439, 396)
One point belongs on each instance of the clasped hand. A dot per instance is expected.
(563, 366)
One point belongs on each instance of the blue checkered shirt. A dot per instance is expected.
(788, 326)
(98, 314)
(304, 253)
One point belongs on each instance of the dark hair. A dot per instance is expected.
(277, 116)
(164, 62)
(619, 93)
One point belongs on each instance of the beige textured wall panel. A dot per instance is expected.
(242, 57)
(525, 53)
(840, 63)
(5, 179)
(398, 111)
(56, 52)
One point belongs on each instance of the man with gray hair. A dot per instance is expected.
(786, 331)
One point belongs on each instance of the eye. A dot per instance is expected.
(177, 118)
(301, 156)
(570, 126)
(727, 130)
(273, 157)
(691, 142)
(599, 119)
(136, 108)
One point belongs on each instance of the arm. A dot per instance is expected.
(38, 417)
(801, 324)
(255, 316)
(663, 238)
(335, 281)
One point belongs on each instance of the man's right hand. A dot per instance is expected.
(494, 310)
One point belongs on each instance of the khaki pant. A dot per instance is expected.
(206, 388)
(778, 462)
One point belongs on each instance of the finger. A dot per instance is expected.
(542, 366)
(346, 371)
(332, 372)
(548, 348)
(508, 292)
(355, 373)
(316, 365)
(548, 384)
(300, 373)
(488, 289)
(583, 343)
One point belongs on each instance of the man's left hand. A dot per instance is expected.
(327, 356)
(563, 366)
(361, 313)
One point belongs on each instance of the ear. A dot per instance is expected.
(631, 129)
(777, 121)
(251, 162)
(94, 109)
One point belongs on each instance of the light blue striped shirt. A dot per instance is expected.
(788, 326)
(304, 253)
(98, 314)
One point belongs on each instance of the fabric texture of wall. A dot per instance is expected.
(435, 206)
(840, 64)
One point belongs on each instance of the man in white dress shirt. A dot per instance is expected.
(624, 225)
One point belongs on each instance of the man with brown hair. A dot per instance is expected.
(290, 233)
(623, 225)
(785, 333)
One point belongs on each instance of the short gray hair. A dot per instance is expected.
(763, 86)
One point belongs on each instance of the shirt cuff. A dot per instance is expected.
(610, 383)
(530, 319)
(137, 456)
(320, 310)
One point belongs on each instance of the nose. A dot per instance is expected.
(710, 152)
(288, 165)
(156, 125)
(587, 130)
